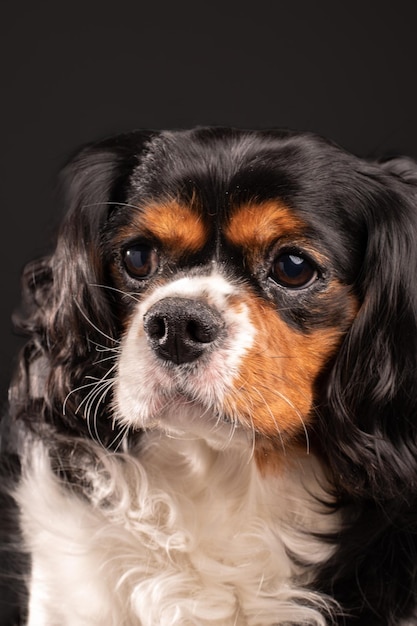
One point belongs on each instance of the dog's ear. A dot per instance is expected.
(65, 312)
(91, 185)
(369, 426)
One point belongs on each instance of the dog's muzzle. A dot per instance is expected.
(181, 330)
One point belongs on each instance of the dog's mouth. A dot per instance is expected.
(214, 360)
(184, 399)
(178, 413)
(178, 363)
(188, 395)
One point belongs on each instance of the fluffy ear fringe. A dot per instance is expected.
(64, 312)
(369, 427)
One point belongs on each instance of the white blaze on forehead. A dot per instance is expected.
(215, 288)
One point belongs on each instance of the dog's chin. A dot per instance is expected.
(187, 419)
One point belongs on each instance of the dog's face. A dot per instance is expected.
(255, 285)
(231, 318)
(238, 292)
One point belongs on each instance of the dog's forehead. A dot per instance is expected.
(186, 227)
(243, 190)
(217, 168)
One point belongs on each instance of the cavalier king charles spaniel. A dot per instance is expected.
(214, 418)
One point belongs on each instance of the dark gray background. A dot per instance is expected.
(73, 72)
(76, 71)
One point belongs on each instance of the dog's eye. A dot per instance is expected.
(140, 260)
(293, 271)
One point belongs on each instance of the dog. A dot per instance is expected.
(215, 411)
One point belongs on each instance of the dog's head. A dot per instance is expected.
(226, 284)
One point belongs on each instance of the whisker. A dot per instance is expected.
(101, 348)
(97, 394)
(97, 383)
(93, 325)
(99, 401)
(253, 432)
(121, 435)
(90, 397)
(110, 288)
(64, 404)
(233, 428)
(93, 395)
(107, 358)
(251, 427)
(297, 412)
(273, 418)
(103, 382)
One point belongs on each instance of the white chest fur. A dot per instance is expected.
(187, 536)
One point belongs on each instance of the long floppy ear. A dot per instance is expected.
(369, 428)
(65, 313)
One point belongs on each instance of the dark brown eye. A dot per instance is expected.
(293, 271)
(140, 261)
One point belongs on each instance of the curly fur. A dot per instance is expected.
(180, 525)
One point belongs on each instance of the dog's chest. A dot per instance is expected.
(187, 536)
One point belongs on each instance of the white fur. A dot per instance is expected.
(145, 390)
(187, 535)
(186, 530)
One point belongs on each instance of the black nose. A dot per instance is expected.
(181, 330)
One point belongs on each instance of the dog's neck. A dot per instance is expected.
(190, 520)
(196, 474)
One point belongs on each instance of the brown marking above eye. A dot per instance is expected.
(256, 226)
(178, 228)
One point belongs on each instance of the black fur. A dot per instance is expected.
(364, 214)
